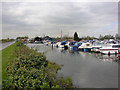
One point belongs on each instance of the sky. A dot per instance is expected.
(50, 18)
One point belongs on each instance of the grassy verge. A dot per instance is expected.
(0, 69)
(7, 57)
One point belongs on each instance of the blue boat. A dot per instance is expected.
(63, 42)
(71, 44)
(76, 45)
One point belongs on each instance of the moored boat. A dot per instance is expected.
(96, 49)
(86, 47)
(62, 45)
(71, 44)
(110, 49)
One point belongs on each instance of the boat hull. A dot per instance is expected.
(109, 51)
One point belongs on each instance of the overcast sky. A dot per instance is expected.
(49, 18)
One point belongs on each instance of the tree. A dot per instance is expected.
(26, 37)
(117, 36)
(108, 37)
(101, 37)
(76, 38)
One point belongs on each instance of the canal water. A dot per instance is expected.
(87, 70)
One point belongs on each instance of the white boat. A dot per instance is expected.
(47, 43)
(85, 47)
(57, 44)
(71, 44)
(96, 48)
(110, 49)
(62, 45)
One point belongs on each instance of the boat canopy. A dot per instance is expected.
(77, 44)
(63, 42)
(112, 42)
(100, 43)
(72, 43)
(116, 46)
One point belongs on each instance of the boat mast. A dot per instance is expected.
(61, 34)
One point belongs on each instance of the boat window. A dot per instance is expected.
(116, 46)
(87, 44)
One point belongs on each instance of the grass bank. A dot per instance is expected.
(7, 57)
(0, 69)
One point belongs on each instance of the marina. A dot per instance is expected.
(90, 63)
(60, 45)
(87, 70)
(104, 47)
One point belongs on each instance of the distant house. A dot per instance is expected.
(47, 38)
(38, 39)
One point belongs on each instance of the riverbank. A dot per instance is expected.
(26, 68)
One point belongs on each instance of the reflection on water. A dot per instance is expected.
(111, 58)
(99, 56)
(87, 70)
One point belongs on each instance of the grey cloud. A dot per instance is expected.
(51, 18)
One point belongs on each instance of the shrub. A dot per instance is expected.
(31, 70)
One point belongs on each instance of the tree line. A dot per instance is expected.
(101, 37)
(76, 38)
(25, 37)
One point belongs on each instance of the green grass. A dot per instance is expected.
(0, 68)
(7, 57)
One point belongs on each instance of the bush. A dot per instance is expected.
(31, 70)
(64, 83)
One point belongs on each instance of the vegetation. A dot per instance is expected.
(117, 36)
(29, 69)
(76, 38)
(26, 37)
(66, 37)
(106, 37)
(0, 69)
(6, 40)
(87, 38)
(7, 57)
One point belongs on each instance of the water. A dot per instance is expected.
(87, 70)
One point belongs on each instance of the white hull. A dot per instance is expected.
(85, 45)
(96, 48)
(61, 46)
(109, 51)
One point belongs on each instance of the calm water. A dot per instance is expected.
(87, 70)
